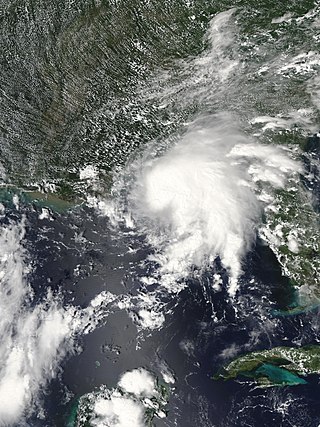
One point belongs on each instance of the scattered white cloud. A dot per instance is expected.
(118, 411)
(33, 336)
(139, 382)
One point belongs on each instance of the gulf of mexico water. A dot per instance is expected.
(132, 122)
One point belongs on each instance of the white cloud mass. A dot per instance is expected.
(198, 200)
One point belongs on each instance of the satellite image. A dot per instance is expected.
(159, 213)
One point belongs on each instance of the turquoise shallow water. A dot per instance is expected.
(279, 376)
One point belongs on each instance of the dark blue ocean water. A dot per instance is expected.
(201, 326)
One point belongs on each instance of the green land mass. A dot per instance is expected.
(293, 219)
(279, 366)
(95, 93)
(81, 100)
(83, 414)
